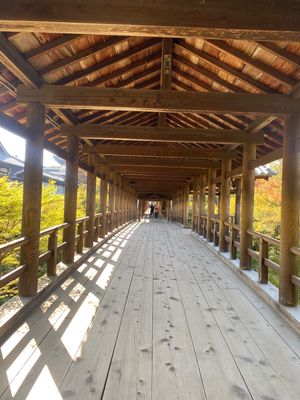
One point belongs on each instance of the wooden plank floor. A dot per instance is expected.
(152, 315)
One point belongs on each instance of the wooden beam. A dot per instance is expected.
(162, 134)
(249, 21)
(83, 54)
(161, 162)
(74, 97)
(156, 178)
(256, 63)
(159, 151)
(23, 70)
(224, 67)
(166, 72)
(109, 62)
(158, 170)
(284, 54)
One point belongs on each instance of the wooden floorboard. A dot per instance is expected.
(153, 315)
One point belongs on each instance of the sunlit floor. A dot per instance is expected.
(152, 315)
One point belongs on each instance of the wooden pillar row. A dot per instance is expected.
(247, 206)
(290, 210)
(32, 199)
(70, 203)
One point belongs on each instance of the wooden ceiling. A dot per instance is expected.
(213, 61)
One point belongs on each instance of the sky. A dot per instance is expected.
(15, 146)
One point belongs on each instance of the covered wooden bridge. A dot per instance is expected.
(160, 101)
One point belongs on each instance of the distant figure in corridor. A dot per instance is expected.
(156, 212)
(151, 209)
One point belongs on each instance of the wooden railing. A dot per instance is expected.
(260, 254)
(53, 253)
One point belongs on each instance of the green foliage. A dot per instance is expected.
(268, 203)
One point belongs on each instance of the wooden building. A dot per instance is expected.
(159, 100)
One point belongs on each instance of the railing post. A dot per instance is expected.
(52, 246)
(90, 200)
(233, 238)
(211, 202)
(80, 240)
(32, 195)
(247, 206)
(263, 254)
(290, 209)
(103, 200)
(224, 203)
(70, 203)
(216, 229)
(96, 228)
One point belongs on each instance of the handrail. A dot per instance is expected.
(48, 231)
(266, 238)
(14, 244)
(50, 255)
(296, 250)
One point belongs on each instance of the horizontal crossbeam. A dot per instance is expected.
(159, 151)
(255, 20)
(162, 134)
(146, 100)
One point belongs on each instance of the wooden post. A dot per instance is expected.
(70, 203)
(32, 195)
(212, 173)
(195, 204)
(247, 206)
(224, 204)
(237, 201)
(122, 203)
(103, 200)
(111, 201)
(117, 202)
(290, 208)
(201, 203)
(186, 195)
(90, 200)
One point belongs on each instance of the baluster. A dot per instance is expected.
(233, 238)
(52, 246)
(263, 254)
(96, 230)
(81, 237)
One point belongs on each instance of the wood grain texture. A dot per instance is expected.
(258, 21)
